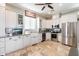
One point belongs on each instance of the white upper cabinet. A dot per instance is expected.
(2, 21)
(2, 4)
(11, 19)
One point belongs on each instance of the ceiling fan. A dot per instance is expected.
(44, 5)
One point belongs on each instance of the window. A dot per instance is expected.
(30, 23)
(33, 23)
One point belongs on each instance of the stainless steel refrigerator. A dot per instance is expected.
(70, 33)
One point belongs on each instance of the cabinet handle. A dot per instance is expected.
(15, 40)
(10, 38)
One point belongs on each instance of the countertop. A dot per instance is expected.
(14, 36)
(27, 34)
(50, 32)
(19, 35)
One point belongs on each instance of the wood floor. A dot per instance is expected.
(47, 48)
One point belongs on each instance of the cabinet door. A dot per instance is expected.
(33, 38)
(19, 42)
(2, 43)
(36, 38)
(2, 21)
(2, 46)
(26, 41)
(10, 44)
(39, 38)
(11, 19)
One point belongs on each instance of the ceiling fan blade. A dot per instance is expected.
(48, 3)
(43, 8)
(50, 6)
(39, 4)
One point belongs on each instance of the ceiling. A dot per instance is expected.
(47, 12)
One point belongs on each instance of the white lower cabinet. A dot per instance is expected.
(26, 41)
(10, 44)
(19, 42)
(2, 46)
(31, 39)
(2, 42)
(13, 43)
(35, 38)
